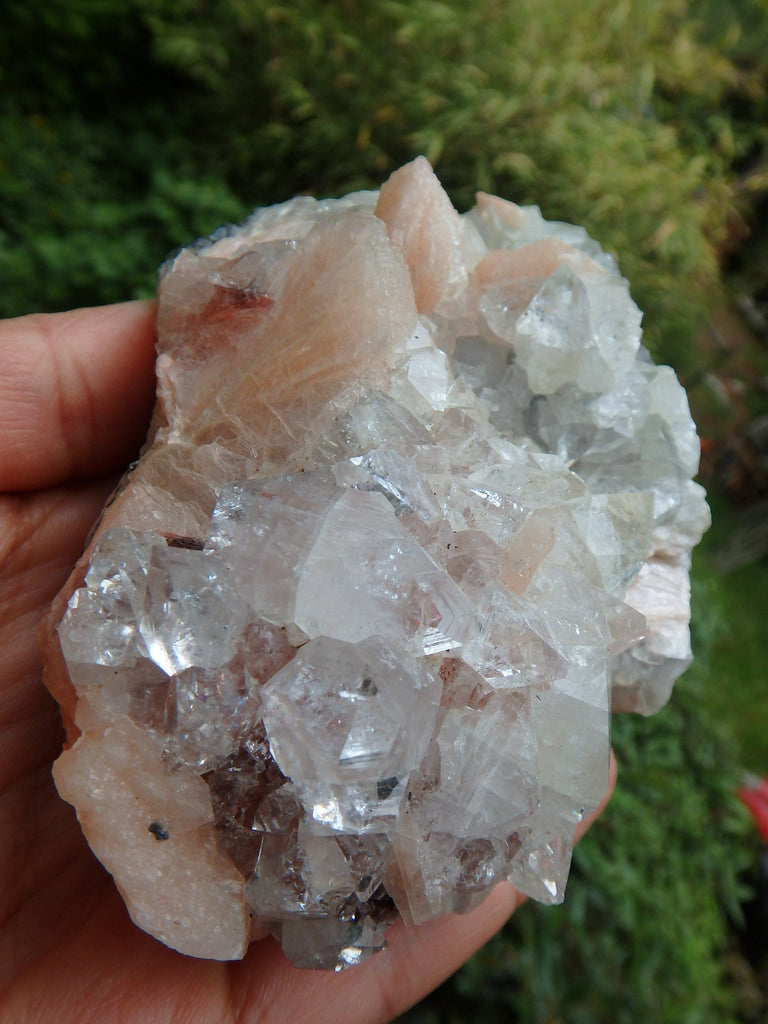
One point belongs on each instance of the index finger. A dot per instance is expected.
(76, 393)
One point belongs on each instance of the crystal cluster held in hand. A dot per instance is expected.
(416, 511)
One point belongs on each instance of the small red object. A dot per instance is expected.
(754, 795)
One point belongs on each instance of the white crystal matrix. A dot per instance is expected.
(417, 511)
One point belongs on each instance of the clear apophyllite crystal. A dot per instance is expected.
(416, 512)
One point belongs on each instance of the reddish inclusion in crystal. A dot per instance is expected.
(227, 302)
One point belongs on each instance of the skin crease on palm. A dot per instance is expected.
(76, 392)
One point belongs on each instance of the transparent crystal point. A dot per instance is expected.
(345, 719)
(190, 616)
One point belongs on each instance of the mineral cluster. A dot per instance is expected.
(416, 510)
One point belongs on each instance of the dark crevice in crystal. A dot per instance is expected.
(174, 540)
(244, 803)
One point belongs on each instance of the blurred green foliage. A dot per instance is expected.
(128, 127)
(735, 690)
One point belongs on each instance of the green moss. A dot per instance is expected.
(729, 614)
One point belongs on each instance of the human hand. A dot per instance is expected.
(76, 392)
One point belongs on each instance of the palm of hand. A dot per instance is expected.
(75, 395)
